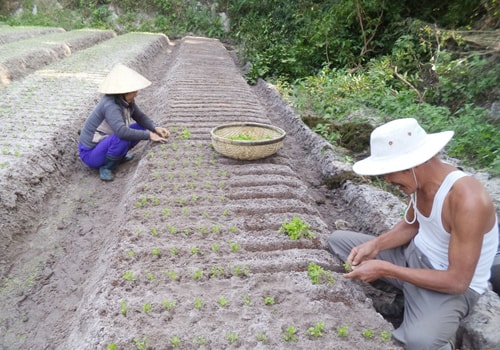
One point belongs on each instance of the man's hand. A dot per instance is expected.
(365, 251)
(162, 132)
(369, 270)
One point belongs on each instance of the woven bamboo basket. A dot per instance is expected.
(263, 140)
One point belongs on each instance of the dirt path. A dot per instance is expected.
(193, 228)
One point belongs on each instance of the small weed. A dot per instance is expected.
(290, 334)
(317, 330)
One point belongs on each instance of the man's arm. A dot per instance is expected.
(468, 214)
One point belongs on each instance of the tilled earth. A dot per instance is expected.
(183, 248)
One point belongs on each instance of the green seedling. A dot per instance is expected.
(216, 228)
(268, 300)
(147, 307)
(317, 330)
(262, 337)
(197, 275)
(112, 346)
(123, 307)
(198, 303)
(296, 228)
(233, 229)
(241, 271)
(343, 331)
(347, 267)
(234, 246)
(246, 299)
(215, 247)
(195, 250)
(175, 341)
(185, 134)
(385, 336)
(232, 337)
(173, 275)
(368, 333)
(141, 344)
(222, 301)
(225, 212)
(319, 275)
(174, 251)
(154, 231)
(150, 276)
(169, 305)
(216, 271)
(155, 251)
(129, 276)
(166, 211)
(131, 253)
(200, 340)
(290, 334)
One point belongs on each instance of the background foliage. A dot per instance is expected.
(377, 59)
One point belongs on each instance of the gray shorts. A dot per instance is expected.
(431, 319)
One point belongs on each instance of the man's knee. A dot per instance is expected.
(338, 242)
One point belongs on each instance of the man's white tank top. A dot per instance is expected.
(433, 240)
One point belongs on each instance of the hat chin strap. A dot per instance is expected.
(413, 201)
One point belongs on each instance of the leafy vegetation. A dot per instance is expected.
(332, 59)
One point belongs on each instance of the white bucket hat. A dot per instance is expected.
(121, 80)
(399, 145)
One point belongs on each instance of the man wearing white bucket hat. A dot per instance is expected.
(441, 253)
(116, 124)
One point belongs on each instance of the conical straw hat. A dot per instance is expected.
(121, 80)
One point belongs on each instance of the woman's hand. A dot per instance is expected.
(156, 138)
(162, 132)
